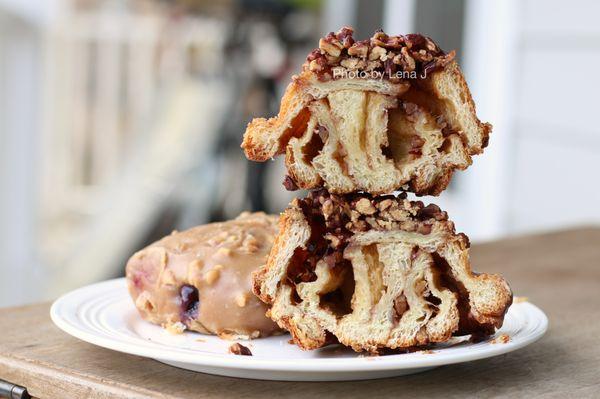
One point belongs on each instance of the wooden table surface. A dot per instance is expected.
(559, 272)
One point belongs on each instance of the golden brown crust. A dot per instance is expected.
(482, 130)
(375, 273)
(325, 119)
(259, 145)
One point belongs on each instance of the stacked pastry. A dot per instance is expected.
(351, 264)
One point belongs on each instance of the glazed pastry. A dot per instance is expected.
(378, 115)
(200, 279)
(375, 272)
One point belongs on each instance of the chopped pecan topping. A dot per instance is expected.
(343, 215)
(242, 299)
(224, 251)
(378, 53)
(250, 244)
(405, 60)
(365, 207)
(331, 46)
(396, 58)
(352, 63)
(359, 49)
(212, 276)
(431, 211)
(289, 184)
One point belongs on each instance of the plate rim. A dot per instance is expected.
(329, 365)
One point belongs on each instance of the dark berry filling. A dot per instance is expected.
(189, 302)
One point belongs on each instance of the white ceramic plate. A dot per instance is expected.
(104, 315)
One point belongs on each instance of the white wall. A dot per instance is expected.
(531, 66)
(557, 134)
(19, 105)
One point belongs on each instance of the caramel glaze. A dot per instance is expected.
(200, 279)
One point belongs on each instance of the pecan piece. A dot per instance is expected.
(359, 49)
(431, 211)
(331, 45)
(365, 207)
(378, 53)
(351, 63)
(405, 60)
(289, 184)
(239, 349)
(344, 35)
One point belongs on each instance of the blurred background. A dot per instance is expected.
(120, 120)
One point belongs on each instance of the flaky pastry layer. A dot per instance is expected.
(375, 273)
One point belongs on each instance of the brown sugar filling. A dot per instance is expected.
(297, 127)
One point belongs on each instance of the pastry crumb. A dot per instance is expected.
(239, 349)
(501, 339)
(175, 328)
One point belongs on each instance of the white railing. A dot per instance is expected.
(120, 89)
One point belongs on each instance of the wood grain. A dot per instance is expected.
(560, 272)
